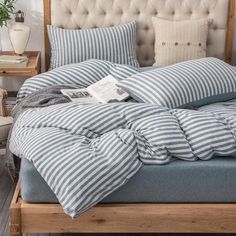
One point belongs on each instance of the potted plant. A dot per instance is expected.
(6, 9)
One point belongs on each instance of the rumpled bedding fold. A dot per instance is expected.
(42, 98)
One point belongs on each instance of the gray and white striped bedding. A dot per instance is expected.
(121, 72)
(85, 152)
(191, 83)
(116, 44)
(78, 75)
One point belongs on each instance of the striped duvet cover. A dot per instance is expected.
(85, 152)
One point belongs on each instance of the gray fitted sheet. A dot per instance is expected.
(179, 181)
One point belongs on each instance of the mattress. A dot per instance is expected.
(179, 181)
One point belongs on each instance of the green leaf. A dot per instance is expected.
(6, 10)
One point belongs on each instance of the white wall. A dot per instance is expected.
(34, 18)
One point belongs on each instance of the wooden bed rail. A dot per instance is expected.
(15, 213)
(122, 218)
(230, 32)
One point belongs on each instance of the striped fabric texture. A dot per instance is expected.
(115, 44)
(121, 72)
(191, 83)
(79, 75)
(85, 152)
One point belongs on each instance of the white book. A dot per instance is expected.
(79, 95)
(12, 59)
(103, 91)
(16, 65)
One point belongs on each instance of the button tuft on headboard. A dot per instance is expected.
(120, 12)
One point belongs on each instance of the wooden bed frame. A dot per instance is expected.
(125, 218)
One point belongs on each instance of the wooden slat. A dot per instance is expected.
(131, 218)
(12, 73)
(38, 65)
(47, 21)
(15, 214)
(230, 32)
(15, 199)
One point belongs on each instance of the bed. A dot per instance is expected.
(186, 207)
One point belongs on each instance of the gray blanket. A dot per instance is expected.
(42, 98)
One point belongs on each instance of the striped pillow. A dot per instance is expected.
(79, 75)
(124, 71)
(192, 83)
(115, 44)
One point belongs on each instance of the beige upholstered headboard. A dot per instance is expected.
(80, 14)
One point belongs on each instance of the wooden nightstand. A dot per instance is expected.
(33, 68)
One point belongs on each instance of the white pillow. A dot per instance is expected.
(177, 41)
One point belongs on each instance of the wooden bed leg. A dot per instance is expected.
(14, 224)
(15, 214)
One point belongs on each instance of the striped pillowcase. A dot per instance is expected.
(121, 72)
(191, 83)
(115, 44)
(79, 75)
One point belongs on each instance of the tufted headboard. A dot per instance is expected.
(80, 14)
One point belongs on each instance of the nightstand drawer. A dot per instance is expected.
(11, 73)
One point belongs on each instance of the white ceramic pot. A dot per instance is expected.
(19, 33)
(19, 36)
